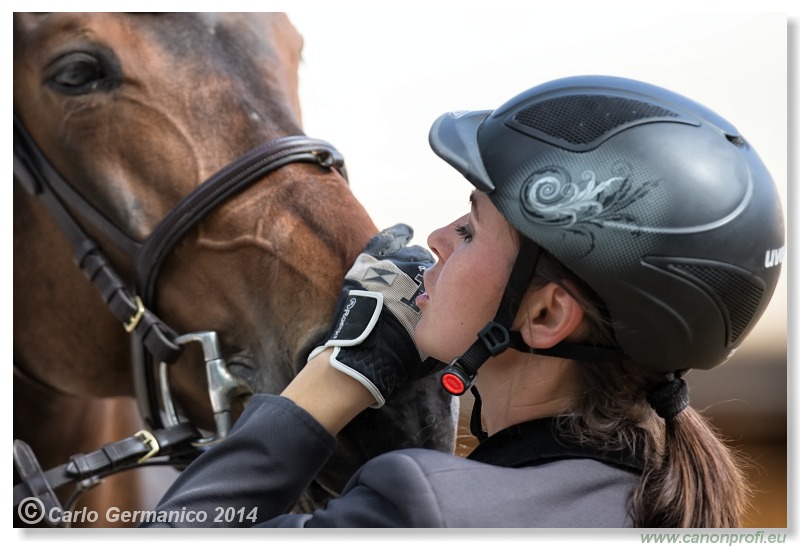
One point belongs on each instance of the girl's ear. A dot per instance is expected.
(547, 316)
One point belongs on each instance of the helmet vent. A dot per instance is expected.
(737, 293)
(581, 122)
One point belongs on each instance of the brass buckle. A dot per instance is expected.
(150, 440)
(130, 326)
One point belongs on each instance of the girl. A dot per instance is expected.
(616, 239)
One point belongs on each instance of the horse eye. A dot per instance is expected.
(79, 73)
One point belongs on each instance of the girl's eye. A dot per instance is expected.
(463, 232)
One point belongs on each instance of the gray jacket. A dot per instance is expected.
(256, 474)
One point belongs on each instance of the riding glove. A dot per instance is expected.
(375, 316)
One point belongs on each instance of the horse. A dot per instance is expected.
(138, 112)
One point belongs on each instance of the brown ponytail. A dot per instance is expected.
(694, 481)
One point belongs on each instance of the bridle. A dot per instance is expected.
(155, 345)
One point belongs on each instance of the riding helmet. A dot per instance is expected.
(653, 200)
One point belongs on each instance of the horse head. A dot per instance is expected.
(135, 111)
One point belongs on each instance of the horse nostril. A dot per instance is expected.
(243, 368)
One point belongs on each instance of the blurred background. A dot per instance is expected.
(372, 82)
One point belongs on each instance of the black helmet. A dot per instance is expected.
(654, 201)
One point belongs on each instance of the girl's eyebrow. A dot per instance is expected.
(473, 199)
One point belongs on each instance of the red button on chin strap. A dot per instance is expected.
(453, 383)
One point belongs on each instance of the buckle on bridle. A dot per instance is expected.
(133, 322)
(150, 440)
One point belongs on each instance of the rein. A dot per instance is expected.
(153, 341)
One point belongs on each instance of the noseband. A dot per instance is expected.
(153, 341)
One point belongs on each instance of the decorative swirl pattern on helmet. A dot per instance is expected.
(553, 200)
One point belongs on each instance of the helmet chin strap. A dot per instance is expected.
(496, 337)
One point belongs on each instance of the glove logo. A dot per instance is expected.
(378, 275)
(350, 305)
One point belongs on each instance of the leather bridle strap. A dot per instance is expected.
(233, 178)
(230, 180)
(130, 452)
(38, 176)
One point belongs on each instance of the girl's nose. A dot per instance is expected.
(442, 240)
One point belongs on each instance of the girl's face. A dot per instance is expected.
(463, 290)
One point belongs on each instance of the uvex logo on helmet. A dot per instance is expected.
(774, 258)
